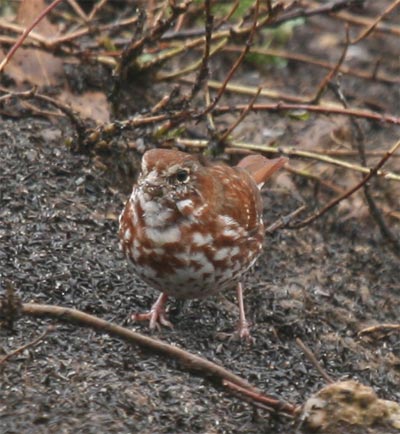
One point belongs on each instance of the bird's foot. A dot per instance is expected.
(156, 315)
(243, 333)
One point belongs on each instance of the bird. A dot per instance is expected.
(192, 227)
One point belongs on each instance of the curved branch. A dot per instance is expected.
(190, 361)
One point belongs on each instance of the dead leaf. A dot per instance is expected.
(90, 104)
(30, 64)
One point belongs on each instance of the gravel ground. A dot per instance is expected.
(59, 246)
(321, 284)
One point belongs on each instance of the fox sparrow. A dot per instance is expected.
(191, 228)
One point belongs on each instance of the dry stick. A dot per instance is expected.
(245, 90)
(40, 41)
(165, 100)
(242, 89)
(298, 57)
(379, 328)
(73, 117)
(228, 16)
(48, 330)
(293, 152)
(211, 128)
(272, 21)
(12, 27)
(363, 34)
(224, 34)
(365, 21)
(306, 173)
(26, 32)
(333, 6)
(244, 113)
(23, 95)
(386, 232)
(350, 153)
(332, 73)
(96, 9)
(262, 401)
(283, 221)
(236, 65)
(334, 188)
(373, 208)
(349, 192)
(69, 37)
(269, 7)
(161, 26)
(326, 109)
(163, 76)
(138, 42)
(204, 70)
(310, 356)
(150, 11)
(78, 10)
(192, 362)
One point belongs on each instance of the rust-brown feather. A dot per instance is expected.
(191, 228)
(261, 168)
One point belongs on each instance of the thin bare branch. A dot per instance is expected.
(332, 73)
(242, 115)
(189, 361)
(294, 152)
(236, 65)
(349, 192)
(379, 328)
(26, 32)
(35, 341)
(310, 356)
(203, 73)
(325, 109)
(363, 34)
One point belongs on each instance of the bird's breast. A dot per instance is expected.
(186, 257)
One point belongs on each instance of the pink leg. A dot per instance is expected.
(156, 315)
(243, 328)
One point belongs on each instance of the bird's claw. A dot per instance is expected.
(243, 333)
(156, 318)
(156, 315)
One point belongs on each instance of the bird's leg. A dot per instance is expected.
(156, 315)
(243, 331)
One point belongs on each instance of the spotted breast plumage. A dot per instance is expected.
(191, 228)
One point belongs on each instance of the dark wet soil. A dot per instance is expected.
(58, 245)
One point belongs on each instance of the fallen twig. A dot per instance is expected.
(285, 220)
(382, 328)
(33, 94)
(310, 356)
(325, 109)
(261, 401)
(371, 27)
(192, 362)
(236, 65)
(203, 72)
(8, 356)
(349, 192)
(26, 32)
(293, 152)
(304, 58)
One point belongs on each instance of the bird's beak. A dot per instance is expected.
(152, 189)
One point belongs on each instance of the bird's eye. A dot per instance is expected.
(182, 175)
